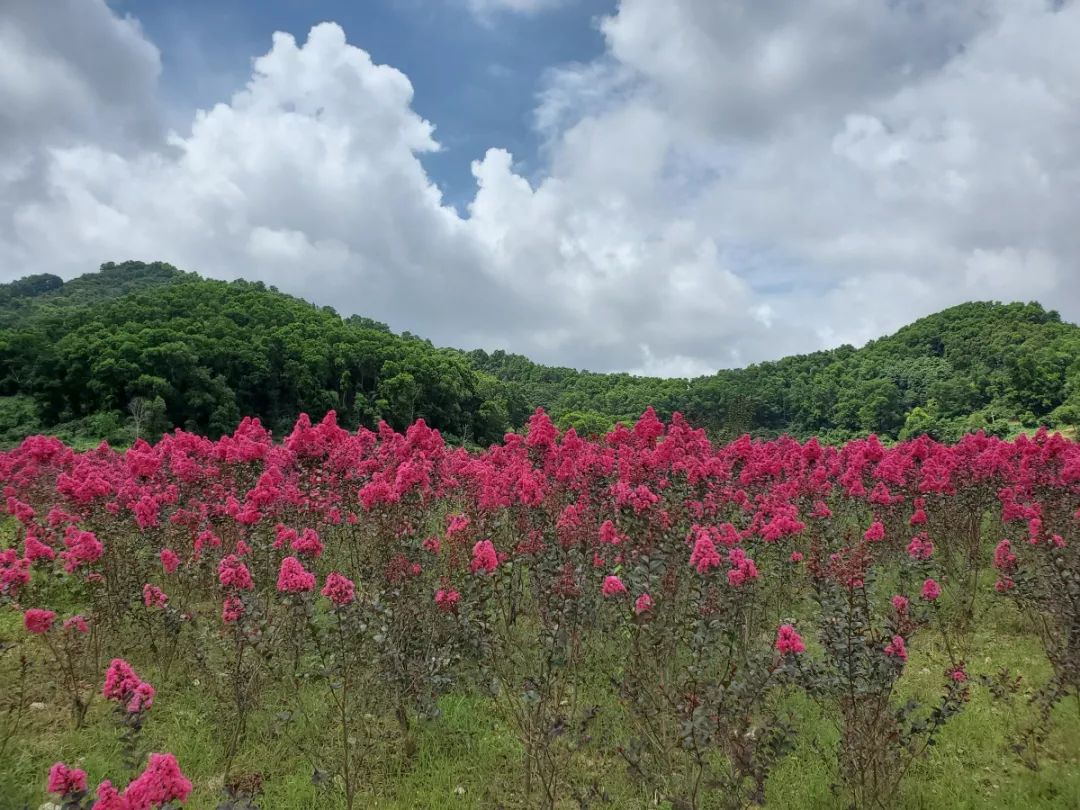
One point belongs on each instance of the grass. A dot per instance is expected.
(467, 758)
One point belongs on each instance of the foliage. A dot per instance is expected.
(649, 598)
(159, 348)
(1000, 360)
(209, 351)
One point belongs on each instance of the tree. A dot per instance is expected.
(147, 416)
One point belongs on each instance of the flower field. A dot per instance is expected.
(377, 619)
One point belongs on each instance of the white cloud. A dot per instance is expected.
(729, 182)
(485, 8)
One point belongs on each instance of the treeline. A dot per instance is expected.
(978, 366)
(146, 347)
(136, 349)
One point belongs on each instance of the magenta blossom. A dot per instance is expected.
(120, 680)
(484, 557)
(64, 780)
(339, 589)
(76, 624)
(232, 609)
(447, 599)
(153, 596)
(704, 556)
(169, 560)
(931, 590)
(161, 783)
(38, 621)
(294, 578)
(896, 648)
(234, 574)
(789, 641)
(612, 586)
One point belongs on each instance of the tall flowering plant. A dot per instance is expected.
(1039, 570)
(864, 642)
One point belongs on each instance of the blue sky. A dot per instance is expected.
(655, 186)
(475, 78)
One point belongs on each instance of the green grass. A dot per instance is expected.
(467, 758)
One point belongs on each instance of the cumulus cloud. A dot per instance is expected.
(890, 158)
(729, 182)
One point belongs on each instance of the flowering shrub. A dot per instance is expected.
(378, 569)
(160, 786)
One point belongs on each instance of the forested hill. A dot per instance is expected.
(139, 348)
(986, 366)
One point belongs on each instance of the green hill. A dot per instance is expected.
(144, 347)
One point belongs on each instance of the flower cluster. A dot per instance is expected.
(125, 687)
(652, 528)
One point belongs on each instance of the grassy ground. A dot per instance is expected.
(468, 759)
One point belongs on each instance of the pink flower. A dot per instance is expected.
(14, 571)
(169, 560)
(643, 604)
(283, 535)
(797, 557)
(788, 640)
(456, 524)
(1004, 559)
(447, 599)
(307, 543)
(930, 590)
(108, 798)
(34, 549)
(64, 780)
(160, 783)
(142, 698)
(1004, 585)
(900, 604)
(120, 680)
(484, 557)
(294, 578)
(704, 556)
(958, 675)
(609, 535)
(153, 596)
(921, 547)
(432, 544)
(38, 621)
(206, 538)
(743, 568)
(83, 548)
(896, 648)
(339, 589)
(232, 609)
(875, 532)
(234, 574)
(612, 586)
(76, 623)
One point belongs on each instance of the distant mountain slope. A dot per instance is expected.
(200, 353)
(20, 298)
(977, 365)
(145, 347)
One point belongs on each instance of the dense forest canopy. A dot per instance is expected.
(139, 348)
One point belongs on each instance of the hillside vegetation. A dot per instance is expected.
(139, 348)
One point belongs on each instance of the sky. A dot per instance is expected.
(662, 188)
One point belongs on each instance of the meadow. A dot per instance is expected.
(645, 619)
